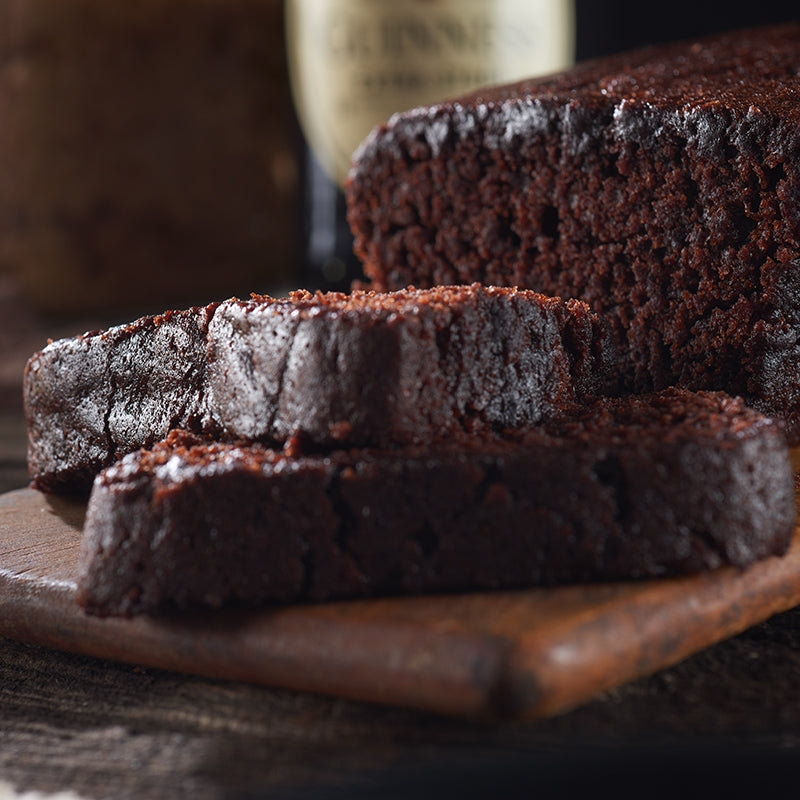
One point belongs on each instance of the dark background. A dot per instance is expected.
(607, 26)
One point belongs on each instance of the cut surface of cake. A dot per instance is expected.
(621, 488)
(661, 186)
(332, 369)
(407, 366)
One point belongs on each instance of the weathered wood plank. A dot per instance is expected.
(520, 654)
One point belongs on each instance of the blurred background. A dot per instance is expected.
(155, 154)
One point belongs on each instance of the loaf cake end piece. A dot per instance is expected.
(660, 186)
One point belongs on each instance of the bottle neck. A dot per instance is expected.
(329, 263)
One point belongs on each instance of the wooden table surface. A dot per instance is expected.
(725, 720)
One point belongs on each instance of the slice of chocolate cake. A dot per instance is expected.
(629, 488)
(93, 397)
(661, 186)
(407, 366)
(332, 369)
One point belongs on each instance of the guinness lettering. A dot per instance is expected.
(355, 62)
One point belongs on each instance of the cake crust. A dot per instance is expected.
(92, 398)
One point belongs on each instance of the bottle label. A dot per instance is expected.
(353, 63)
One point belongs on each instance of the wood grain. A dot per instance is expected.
(516, 654)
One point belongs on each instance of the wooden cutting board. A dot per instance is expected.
(516, 654)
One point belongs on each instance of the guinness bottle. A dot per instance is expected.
(353, 63)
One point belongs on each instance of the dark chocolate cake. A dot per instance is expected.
(635, 487)
(93, 397)
(660, 186)
(330, 369)
(407, 366)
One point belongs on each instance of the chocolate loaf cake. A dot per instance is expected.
(628, 488)
(330, 369)
(660, 186)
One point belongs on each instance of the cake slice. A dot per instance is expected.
(93, 397)
(661, 186)
(407, 366)
(331, 369)
(616, 489)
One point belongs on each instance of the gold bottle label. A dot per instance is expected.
(353, 63)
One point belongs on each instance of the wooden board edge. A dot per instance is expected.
(551, 675)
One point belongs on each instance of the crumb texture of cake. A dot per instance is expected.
(332, 369)
(616, 489)
(660, 186)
